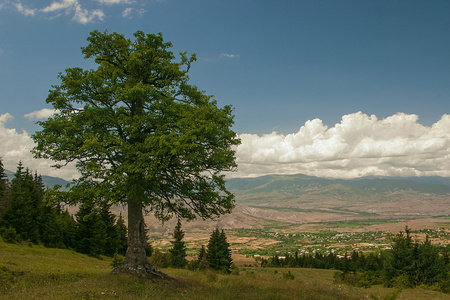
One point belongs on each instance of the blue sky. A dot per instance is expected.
(280, 64)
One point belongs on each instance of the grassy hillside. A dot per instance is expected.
(34, 272)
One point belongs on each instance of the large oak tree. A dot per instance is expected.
(140, 135)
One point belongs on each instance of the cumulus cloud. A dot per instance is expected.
(85, 16)
(41, 114)
(16, 146)
(359, 145)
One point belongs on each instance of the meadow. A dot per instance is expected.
(29, 271)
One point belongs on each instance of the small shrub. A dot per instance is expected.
(351, 278)
(160, 259)
(288, 276)
(117, 259)
(402, 282)
(10, 235)
(369, 278)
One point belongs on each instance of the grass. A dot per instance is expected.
(35, 272)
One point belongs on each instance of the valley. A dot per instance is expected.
(301, 213)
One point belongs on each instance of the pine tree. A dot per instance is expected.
(91, 230)
(68, 228)
(111, 242)
(178, 250)
(202, 260)
(121, 230)
(224, 247)
(400, 261)
(218, 252)
(26, 197)
(50, 233)
(4, 191)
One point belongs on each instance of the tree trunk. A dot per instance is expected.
(135, 258)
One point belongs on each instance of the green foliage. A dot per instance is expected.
(139, 134)
(413, 263)
(218, 252)
(201, 263)
(160, 259)
(26, 200)
(121, 232)
(136, 124)
(9, 235)
(178, 250)
(30, 217)
(97, 232)
(117, 259)
(288, 275)
(408, 264)
(4, 191)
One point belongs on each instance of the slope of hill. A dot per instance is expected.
(303, 183)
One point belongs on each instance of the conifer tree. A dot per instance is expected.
(50, 233)
(91, 230)
(111, 240)
(121, 230)
(68, 228)
(218, 252)
(224, 247)
(26, 197)
(178, 250)
(202, 260)
(4, 191)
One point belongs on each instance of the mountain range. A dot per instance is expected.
(302, 183)
(301, 199)
(49, 181)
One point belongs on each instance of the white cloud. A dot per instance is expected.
(15, 147)
(41, 114)
(24, 10)
(127, 11)
(65, 7)
(62, 5)
(130, 12)
(85, 16)
(359, 145)
(5, 117)
(226, 55)
(116, 1)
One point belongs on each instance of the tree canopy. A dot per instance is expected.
(139, 133)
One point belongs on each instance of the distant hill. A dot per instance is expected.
(49, 181)
(302, 184)
(301, 198)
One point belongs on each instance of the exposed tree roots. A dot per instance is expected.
(147, 271)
